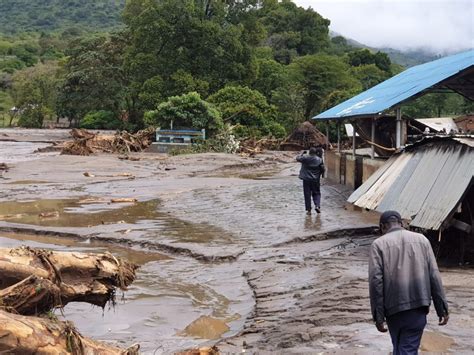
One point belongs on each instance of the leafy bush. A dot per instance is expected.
(186, 111)
(249, 111)
(101, 120)
(274, 129)
(32, 117)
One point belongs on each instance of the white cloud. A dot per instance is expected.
(440, 26)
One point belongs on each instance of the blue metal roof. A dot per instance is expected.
(400, 88)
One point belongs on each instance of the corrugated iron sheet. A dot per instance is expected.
(424, 184)
(401, 87)
(439, 123)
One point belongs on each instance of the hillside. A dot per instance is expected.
(48, 15)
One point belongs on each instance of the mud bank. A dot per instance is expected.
(222, 240)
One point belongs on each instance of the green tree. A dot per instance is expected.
(270, 76)
(34, 92)
(320, 76)
(366, 57)
(170, 38)
(293, 30)
(186, 111)
(248, 109)
(95, 79)
(369, 75)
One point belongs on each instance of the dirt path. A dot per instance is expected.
(219, 236)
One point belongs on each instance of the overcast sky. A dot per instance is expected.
(442, 26)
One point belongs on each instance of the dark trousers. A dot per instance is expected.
(311, 189)
(406, 329)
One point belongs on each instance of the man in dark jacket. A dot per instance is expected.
(403, 278)
(312, 167)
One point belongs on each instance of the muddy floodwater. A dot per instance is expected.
(227, 255)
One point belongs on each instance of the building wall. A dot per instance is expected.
(348, 170)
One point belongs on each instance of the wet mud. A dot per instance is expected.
(227, 254)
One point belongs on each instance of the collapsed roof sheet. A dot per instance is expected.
(424, 184)
(439, 123)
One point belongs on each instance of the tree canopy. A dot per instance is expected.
(262, 66)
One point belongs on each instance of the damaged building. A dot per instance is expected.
(428, 176)
(431, 185)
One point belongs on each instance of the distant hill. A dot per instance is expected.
(404, 58)
(409, 58)
(18, 16)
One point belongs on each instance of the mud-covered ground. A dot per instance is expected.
(216, 235)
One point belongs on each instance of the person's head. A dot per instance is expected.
(313, 151)
(388, 220)
(319, 152)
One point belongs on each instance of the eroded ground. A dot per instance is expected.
(228, 255)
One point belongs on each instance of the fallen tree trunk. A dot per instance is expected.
(30, 335)
(31, 296)
(79, 277)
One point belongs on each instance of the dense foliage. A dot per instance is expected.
(47, 15)
(258, 66)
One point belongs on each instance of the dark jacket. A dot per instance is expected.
(403, 275)
(312, 167)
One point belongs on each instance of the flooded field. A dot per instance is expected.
(227, 255)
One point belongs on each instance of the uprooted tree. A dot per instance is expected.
(34, 282)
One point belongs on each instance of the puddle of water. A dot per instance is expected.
(435, 342)
(89, 212)
(166, 297)
(206, 328)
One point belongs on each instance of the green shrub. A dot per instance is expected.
(101, 120)
(186, 111)
(274, 129)
(32, 117)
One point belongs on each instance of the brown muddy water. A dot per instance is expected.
(299, 289)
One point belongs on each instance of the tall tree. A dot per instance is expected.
(320, 77)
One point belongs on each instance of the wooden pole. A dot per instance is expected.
(327, 135)
(398, 139)
(338, 136)
(353, 140)
(372, 138)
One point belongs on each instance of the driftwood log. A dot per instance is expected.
(90, 278)
(32, 335)
(33, 282)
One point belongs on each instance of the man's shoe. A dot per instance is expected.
(308, 212)
(318, 209)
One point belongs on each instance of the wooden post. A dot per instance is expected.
(327, 135)
(338, 137)
(372, 139)
(398, 140)
(353, 140)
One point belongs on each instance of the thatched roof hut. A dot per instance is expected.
(304, 136)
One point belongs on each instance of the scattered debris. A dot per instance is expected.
(124, 200)
(129, 175)
(250, 147)
(87, 143)
(3, 167)
(54, 214)
(127, 157)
